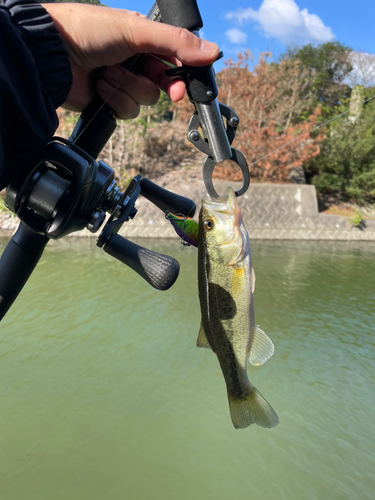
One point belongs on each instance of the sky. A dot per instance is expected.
(272, 25)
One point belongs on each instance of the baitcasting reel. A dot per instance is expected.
(67, 191)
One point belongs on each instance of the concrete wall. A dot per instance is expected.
(270, 212)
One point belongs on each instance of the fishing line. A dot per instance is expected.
(297, 138)
(171, 65)
(99, 109)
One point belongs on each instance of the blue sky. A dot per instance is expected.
(272, 24)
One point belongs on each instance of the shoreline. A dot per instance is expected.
(270, 212)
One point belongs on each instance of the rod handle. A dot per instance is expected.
(181, 13)
(17, 262)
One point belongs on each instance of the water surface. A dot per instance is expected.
(105, 396)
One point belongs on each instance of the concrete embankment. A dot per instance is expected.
(270, 212)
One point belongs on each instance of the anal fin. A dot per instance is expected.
(261, 349)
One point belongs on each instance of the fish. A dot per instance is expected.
(226, 283)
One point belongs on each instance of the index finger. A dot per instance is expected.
(142, 35)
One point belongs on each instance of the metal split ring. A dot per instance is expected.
(208, 168)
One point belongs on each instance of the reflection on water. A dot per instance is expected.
(104, 394)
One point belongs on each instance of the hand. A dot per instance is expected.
(97, 37)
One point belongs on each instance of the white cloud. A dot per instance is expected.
(283, 19)
(236, 36)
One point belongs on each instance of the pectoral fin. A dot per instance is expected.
(202, 339)
(261, 349)
(252, 279)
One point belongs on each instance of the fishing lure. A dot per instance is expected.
(186, 228)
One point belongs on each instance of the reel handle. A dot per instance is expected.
(17, 262)
(160, 271)
(166, 200)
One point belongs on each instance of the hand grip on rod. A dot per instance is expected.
(97, 121)
(17, 262)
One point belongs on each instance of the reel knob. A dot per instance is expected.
(159, 270)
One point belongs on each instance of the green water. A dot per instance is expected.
(103, 394)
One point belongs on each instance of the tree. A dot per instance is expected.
(329, 64)
(363, 72)
(270, 101)
(346, 165)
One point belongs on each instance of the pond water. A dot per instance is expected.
(105, 396)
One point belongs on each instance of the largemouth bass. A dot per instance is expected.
(226, 284)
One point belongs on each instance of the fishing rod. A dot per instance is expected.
(67, 189)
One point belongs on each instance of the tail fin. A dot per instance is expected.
(252, 410)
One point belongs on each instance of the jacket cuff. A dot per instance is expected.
(44, 41)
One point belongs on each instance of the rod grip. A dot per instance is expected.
(17, 262)
(94, 128)
(181, 13)
(160, 271)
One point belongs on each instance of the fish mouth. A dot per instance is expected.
(228, 200)
(228, 207)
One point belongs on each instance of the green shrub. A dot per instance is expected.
(346, 164)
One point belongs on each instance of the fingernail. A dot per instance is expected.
(208, 47)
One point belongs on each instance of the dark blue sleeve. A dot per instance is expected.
(35, 79)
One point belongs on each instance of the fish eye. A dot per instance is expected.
(208, 224)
